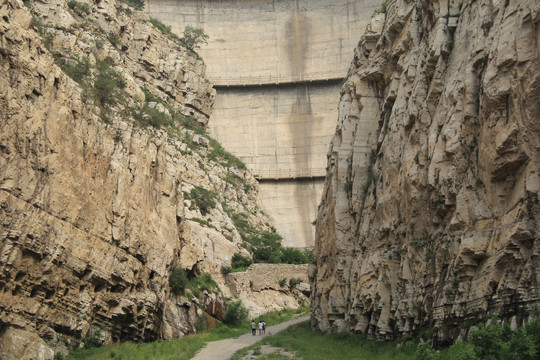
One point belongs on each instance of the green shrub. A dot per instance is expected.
(203, 199)
(239, 261)
(293, 282)
(219, 154)
(94, 339)
(114, 40)
(243, 226)
(190, 123)
(203, 222)
(488, 341)
(226, 270)
(194, 37)
(108, 83)
(147, 116)
(78, 8)
(283, 282)
(521, 346)
(425, 352)
(76, 68)
(165, 29)
(236, 313)
(461, 351)
(200, 323)
(266, 247)
(149, 97)
(310, 256)
(533, 328)
(204, 282)
(293, 256)
(178, 281)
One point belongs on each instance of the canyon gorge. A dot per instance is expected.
(399, 139)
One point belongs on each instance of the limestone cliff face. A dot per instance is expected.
(95, 210)
(430, 214)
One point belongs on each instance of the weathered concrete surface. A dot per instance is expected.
(281, 129)
(280, 132)
(294, 218)
(431, 206)
(284, 39)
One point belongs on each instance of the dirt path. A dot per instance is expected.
(224, 349)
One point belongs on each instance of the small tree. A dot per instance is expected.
(178, 280)
(194, 37)
(236, 313)
(239, 261)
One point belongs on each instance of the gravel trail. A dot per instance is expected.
(224, 349)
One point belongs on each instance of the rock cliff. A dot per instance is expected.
(430, 214)
(108, 181)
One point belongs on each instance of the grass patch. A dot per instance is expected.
(277, 317)
(222, 156)
(203, 222)
(147, 116)
(315, 345)
(165, 29)
(179, 349)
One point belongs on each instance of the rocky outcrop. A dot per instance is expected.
(96, 208)
(277, 286)
(430, 212)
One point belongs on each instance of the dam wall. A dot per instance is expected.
(277, 66)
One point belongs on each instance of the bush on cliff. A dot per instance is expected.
(203, 199)
(236, 313)
(239, 261)
(194, 37)
(297, 256)
(178, 281)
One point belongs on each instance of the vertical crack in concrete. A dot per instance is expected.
(301, 129)
(297, 43)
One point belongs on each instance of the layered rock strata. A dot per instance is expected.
(95, 211)
(430, 214)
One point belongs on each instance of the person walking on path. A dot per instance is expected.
(253, 328)
(263, 327)
(260, 327)
(224, 349)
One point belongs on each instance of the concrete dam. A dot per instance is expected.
(277, 66)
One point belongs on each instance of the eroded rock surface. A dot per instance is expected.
(430, 214)
(95, 210)
(277, 286)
